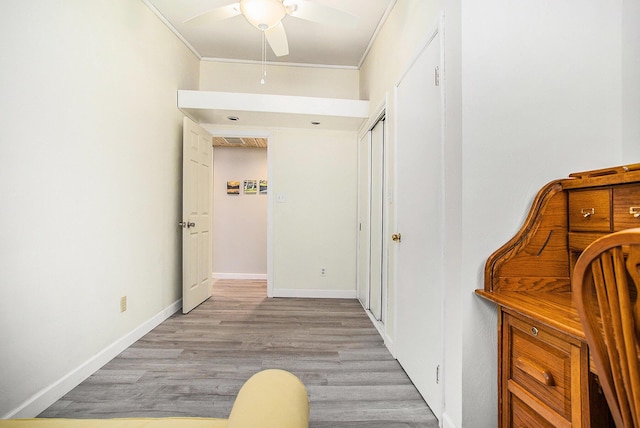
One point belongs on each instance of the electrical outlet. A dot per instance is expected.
(323, 271)
(123, 303)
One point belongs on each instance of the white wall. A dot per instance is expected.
(280, 80)
(315, 226)
(630, 80)
(90, 211)
(239, 221)
(541, 98)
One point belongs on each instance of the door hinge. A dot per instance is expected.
(438, 374)
(437, 76)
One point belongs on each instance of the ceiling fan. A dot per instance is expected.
(267, 15)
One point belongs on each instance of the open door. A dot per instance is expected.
(197, 179)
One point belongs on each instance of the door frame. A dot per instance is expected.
(223, 131)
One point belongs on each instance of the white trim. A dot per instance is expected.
(173, 29)
(379, 112)
(219, 275)
(388, 342)
(446, 421)
(373, 39)
(270, 202)
(315, 293)
(387, 199)
(44, 398)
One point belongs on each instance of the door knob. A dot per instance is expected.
(182, 224)
(397, 237)
(191, 224)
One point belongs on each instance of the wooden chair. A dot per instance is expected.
(606, 284)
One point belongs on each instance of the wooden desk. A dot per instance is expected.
(545, 376)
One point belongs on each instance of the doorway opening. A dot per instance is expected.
(240, 210)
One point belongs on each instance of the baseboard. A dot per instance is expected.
(219, 275)
(447, 422)
(315, 294)
(389, 344)
(52, 393)
(381, 331)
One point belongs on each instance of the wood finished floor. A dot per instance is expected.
(194, 365)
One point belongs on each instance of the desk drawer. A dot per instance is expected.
(626, 205)
(524, 416)
(590, 210)
(540, 363)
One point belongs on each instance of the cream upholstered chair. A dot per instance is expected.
(606, 284)
(269, 399)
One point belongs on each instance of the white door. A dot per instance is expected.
(364, 236)
(418, 274)
(197, 179)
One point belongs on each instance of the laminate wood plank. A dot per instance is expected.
(195, 364)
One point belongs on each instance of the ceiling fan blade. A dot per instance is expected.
(277, 38)
(321, 14)
(215, 15)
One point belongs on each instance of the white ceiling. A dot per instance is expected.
(310, 43)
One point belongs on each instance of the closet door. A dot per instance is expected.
(419, 216)
(371, 216)
(377, 220)
(364, 215)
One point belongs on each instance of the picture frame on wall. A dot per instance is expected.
(233, 187)
(263, 187)
(250, 187)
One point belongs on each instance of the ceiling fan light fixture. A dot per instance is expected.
(263, 14)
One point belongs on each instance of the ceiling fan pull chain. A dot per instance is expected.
(264, 58)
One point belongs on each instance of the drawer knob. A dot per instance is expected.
(535, 370)
(587, 212)
(534, 331)
(634, 211)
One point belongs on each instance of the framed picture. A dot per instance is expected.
(263, 187)
(233, 187)
(250, 187)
